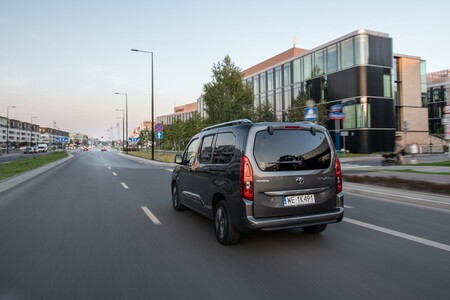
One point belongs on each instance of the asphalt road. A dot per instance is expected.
(101, 226)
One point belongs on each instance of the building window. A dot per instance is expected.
(278, 77)
(287, 97)
(262, 83)
(307, 67)
(387, 83)
(332, 59)
(347, 53)
(362, 49)
(287, 74)
(278, 102)
(318, 63)
(270, 80)
(296, 70)
(256, 85)
(357, 115)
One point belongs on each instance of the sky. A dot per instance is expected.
(62, 61)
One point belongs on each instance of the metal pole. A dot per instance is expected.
(126, 108)
(153, 115)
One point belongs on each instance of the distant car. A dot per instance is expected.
(85, 149)
(104, 149)
(29, 150)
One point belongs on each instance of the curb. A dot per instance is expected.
(20, 178)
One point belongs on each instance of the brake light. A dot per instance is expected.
(338, 175)
(292, 127)
(246, 178)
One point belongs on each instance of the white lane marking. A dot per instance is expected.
(114, 173)
(109, 168)
(151, 215)
(351, 191)
(124, 185)
(346, 206)
(170, 170)
(399, 234)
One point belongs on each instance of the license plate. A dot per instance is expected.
(298, 200)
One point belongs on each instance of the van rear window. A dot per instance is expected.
(289, 150)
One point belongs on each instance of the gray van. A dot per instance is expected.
(260, 176)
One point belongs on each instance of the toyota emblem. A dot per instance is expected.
(300, 180)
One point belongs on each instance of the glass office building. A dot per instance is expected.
(438, 89)
(353, 70)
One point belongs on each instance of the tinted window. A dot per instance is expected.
(224, 148)
(206, 151)
(190, 152)
(288, 150)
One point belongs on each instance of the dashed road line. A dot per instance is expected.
(124, 185)
(399, 234)
(114, 173)
(151, 215)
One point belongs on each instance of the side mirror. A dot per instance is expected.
(178, 159)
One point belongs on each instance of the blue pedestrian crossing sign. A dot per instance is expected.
(159, 135)
(311, 114)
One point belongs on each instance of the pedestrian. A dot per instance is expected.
(414, 150)
(399, 150)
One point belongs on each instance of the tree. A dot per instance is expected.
(264, 113)
(226, 97)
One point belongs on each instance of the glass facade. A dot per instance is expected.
(345, 72)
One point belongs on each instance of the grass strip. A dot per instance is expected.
(163, 157)
(14, 168)
(418, 172)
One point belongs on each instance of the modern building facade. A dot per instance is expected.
(438, 94)
(181, 112)
(50, 136)
(20, 133)
(410, 98)
(355, 70)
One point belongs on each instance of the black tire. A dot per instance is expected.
(176, 199)
(225, 232)
(315, 229)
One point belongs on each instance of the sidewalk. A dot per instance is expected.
(400, 177)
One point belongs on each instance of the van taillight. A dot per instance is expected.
(246, 179)
(338, 176)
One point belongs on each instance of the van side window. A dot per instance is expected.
(224, 149)
(190, 152)
(206, 151)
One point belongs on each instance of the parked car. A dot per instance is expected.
(260, 176)
(29, 150)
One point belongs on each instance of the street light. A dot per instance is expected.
(126, 109)
(123, 126)
(31, 128)
(7, 127)
(153, 103)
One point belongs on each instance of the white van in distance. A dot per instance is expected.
(42, 148)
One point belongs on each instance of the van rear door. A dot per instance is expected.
(293, 173)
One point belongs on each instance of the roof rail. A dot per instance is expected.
(229, 123)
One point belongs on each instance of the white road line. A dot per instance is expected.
(351, 191)
(109, 168)
(399, 234)
(170, 170)
(151, 215)
(124, 185)
(346, 206)
(114, 173)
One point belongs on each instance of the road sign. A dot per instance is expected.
(133, 140)
(336, 116)
(159, 135)
(336, 108)
(61, 139)
(446, 109)
(445, 121)
(159, 127)
(311, 114)
(344, 133)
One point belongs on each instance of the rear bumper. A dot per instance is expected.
(249, 223)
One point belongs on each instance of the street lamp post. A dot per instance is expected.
(123, 127)
(31, 129)
(126, 110)
(153, 103)
(7, 127)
